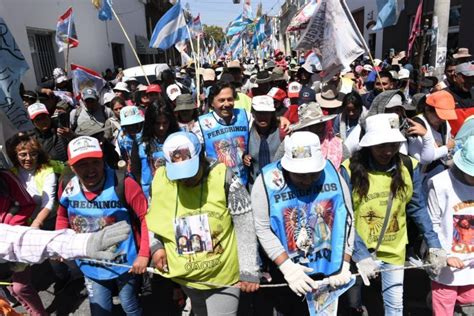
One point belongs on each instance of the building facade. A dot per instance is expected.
(364, 12)
(102, 45)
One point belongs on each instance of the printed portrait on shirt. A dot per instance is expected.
(463, 233)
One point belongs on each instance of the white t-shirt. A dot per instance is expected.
(45, 198)
(451, 208)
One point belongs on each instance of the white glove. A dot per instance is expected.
(368, 269)
(342, 277)
(295, 275)
(438, 259)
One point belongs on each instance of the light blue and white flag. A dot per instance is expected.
(170, 29)
(389, 11)
(238, 25)
(262, 31)
(236, 46)
(12, 67)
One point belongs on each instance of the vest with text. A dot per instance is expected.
(369, 214)
(171, 201)
(227, 143)
(91, 216)
(315, 217)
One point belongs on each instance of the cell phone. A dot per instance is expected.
(63, 120)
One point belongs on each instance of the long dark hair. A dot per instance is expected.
(156, 109)
(359, 167)
(354, 98)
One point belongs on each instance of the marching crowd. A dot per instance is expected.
(261, 174)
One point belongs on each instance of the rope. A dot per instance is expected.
(320, 283)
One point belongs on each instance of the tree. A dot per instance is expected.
(214, 31)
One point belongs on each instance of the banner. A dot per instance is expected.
(66, 31)
(12, 67)
(333, 38)
(416, 29)
(83, 77)
(301, 19)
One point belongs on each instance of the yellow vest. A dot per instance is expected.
(53, 166)
(171, 200)
(243, 101)
(370, 213)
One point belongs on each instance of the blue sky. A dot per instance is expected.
(221, 12)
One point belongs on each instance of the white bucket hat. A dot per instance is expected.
(380, 129)
(303, 153)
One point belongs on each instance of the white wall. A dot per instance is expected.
(370, 5)
(94, 36)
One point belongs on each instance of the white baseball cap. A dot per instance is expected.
(181, 151)
(294, 89)
(173, 91)
(368, 67)
(381, 129)
(83, 147)
(263, 103)
(303, 153)
(36, 109)
(403, 74)
(121, 86)
(108, 96)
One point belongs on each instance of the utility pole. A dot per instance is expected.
(440, 25)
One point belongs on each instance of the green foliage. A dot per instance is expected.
(214, 31)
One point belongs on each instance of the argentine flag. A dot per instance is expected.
(170, 29)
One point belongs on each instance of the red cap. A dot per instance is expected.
(153, 88)
(444, 104)
(277, 94)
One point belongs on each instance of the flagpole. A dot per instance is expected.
(66, 66)
(359, 34)
(129, 42)
(195, 65)
(198, 71)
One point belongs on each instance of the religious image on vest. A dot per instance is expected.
(308, 228)
(192, 234)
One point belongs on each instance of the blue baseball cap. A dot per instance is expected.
(464, 158)
(307, 95)
(181, 151)
(130, 115)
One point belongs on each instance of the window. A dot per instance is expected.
(42, 53)
(117, 55)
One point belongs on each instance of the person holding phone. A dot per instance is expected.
(53, 142)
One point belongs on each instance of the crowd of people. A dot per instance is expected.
(261, 174)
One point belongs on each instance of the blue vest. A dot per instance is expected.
(317, 215)
(227, 143)
(91, 216)
(125, 145)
